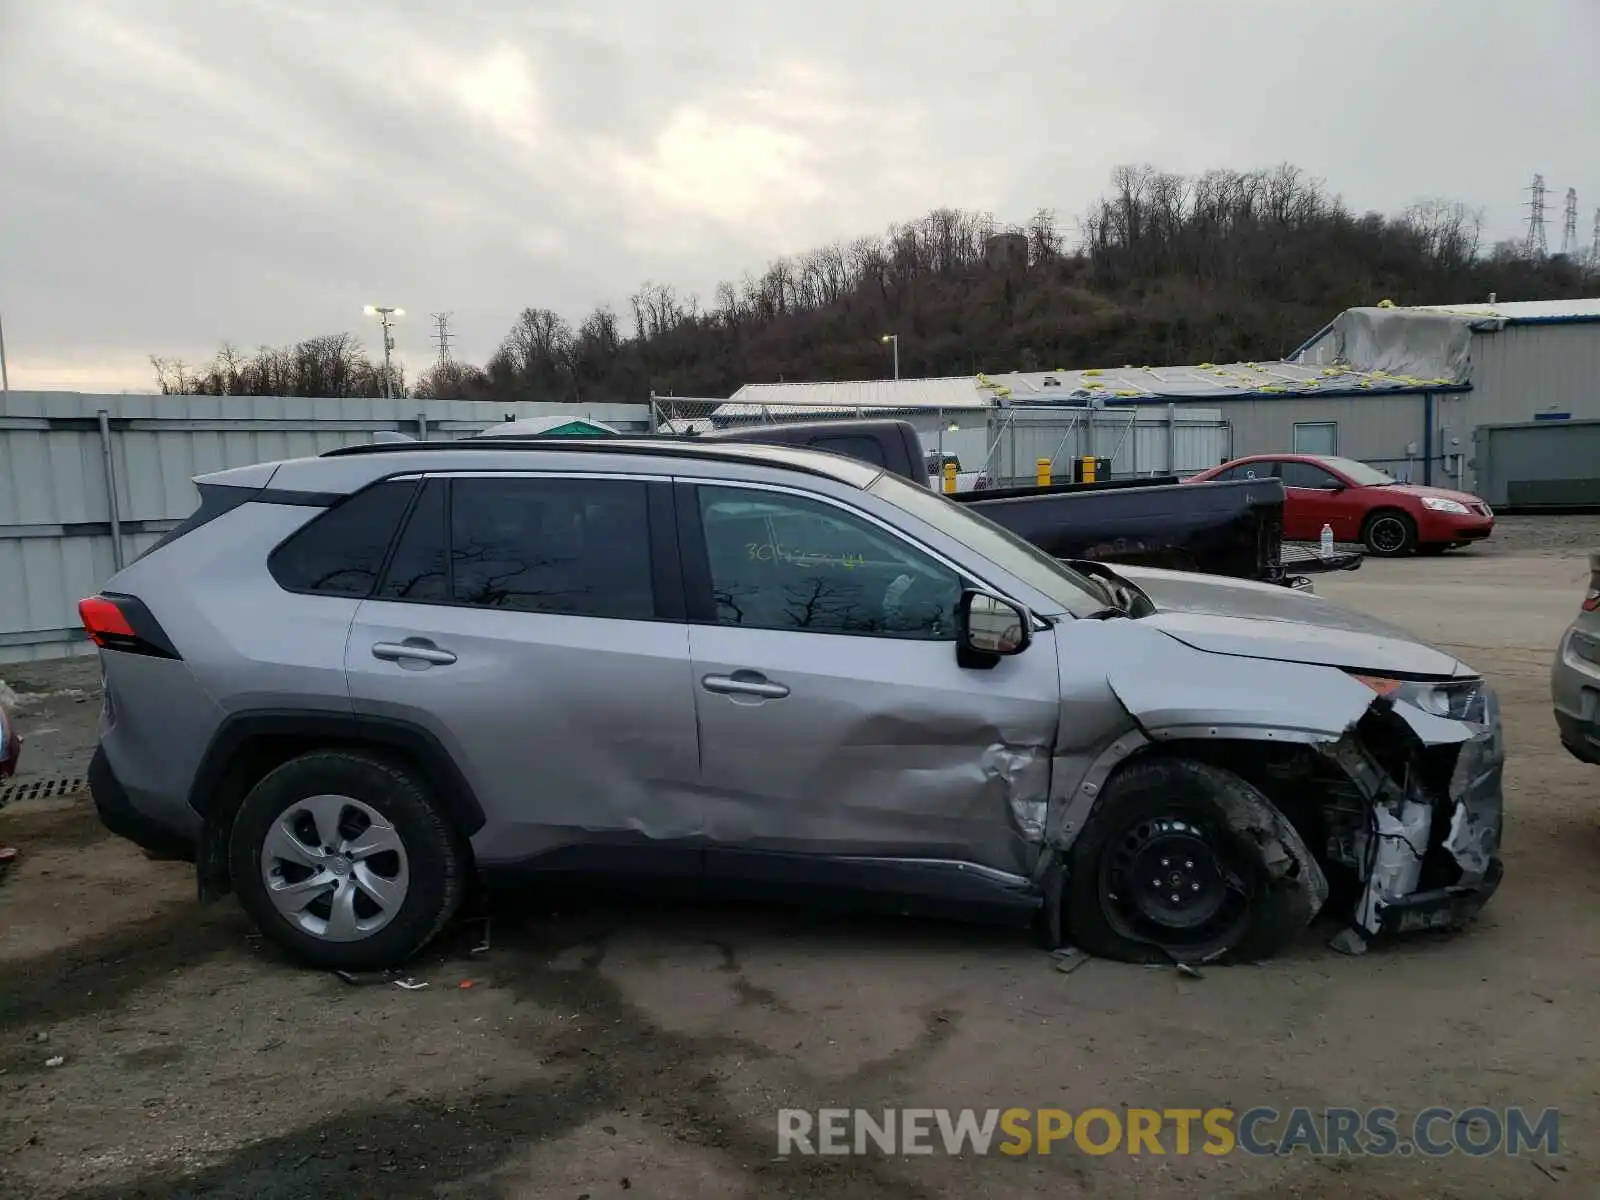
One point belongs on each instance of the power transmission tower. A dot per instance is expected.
(441, 336)
(1569, 224)
(1536, 247)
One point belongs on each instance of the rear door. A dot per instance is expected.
(834, 720)
(534, 623)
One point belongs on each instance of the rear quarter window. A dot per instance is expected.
(866, 449)
(342, 551)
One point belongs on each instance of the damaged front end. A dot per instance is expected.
(1416, 818)
(1393, 785)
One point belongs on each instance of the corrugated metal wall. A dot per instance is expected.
(1523, 370)
(1386, 431)
(55, 511)
(1538, 464)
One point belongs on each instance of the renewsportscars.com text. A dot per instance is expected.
(1433, 1132)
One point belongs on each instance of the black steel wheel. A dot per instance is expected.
(1173, 879)
(1181, 861)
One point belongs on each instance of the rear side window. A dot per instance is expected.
(864, 448)
(579, 547)
(420, 570)
(341, 552)
(1250, 470)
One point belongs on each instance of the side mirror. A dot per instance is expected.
(990, 627)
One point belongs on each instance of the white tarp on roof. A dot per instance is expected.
(1429, 345)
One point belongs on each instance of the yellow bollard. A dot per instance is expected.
(1042, 472)
(1088, 468)
(950, 478)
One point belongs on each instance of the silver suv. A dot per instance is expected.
(1575, 676)
(349, 685)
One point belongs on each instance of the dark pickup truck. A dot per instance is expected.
(1229, 528)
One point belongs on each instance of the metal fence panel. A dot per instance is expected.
(56, 515)
(1139, 440)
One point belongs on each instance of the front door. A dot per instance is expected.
(1316, 497)
(835, 722)
(520, 622)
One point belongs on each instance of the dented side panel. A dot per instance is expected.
(881, 747)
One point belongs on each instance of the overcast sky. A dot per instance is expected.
(174, 173)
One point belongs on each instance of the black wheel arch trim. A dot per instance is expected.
(339, 728)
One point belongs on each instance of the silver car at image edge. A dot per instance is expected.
(349, 685)
(1575, 677)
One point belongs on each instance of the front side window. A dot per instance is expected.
(779, 561)
(579, 547)
(1305, 475)
(341, 552)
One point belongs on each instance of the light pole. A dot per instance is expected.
(384, 313)
(893, 339)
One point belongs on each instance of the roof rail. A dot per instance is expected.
(760, 454)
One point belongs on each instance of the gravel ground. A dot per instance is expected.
(642, 1047)
(1517, 536)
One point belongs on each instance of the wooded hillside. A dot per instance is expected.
(1164, 269)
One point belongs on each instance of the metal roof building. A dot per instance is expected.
(1401, 388)
(1509, 362)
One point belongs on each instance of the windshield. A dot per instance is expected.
(1000, 546)
(1358, 472)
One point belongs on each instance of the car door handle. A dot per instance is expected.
(744, 683)
(412, 650)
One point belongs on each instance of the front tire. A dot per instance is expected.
(342, 859)
(1184, 862)
(1389, 533)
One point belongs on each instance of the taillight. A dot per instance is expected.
(1591, 602)
(123, 623)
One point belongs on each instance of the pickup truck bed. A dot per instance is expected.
(1230, 528)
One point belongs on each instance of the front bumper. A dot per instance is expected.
(1442, 908)
(1452, 527)
(1580, 737)
(118, 814)
(1430, 860)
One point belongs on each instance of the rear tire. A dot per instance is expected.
(1389, 533)
(342, 859)
(1163, 872)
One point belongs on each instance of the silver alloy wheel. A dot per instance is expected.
(1387, 535)
(335, 868)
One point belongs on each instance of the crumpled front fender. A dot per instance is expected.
(1197, 695)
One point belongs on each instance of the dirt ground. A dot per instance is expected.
(644, 1047)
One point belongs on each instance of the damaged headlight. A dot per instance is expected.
(1458, 700)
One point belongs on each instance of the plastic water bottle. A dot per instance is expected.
(1327, 541)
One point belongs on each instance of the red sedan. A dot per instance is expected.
(1363, 504)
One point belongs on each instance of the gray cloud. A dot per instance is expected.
(177, 172)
